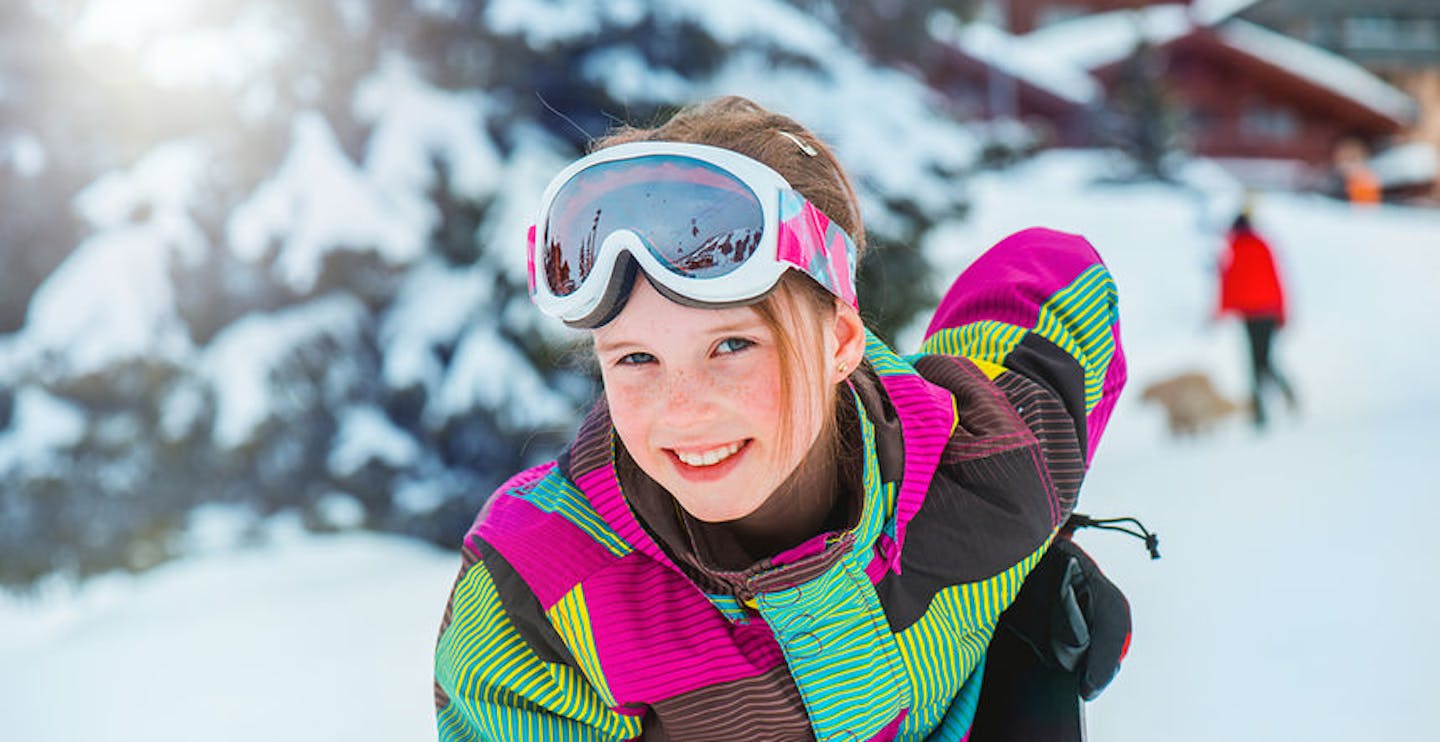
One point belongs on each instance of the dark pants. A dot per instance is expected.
(1261, 331)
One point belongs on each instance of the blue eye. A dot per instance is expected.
(733, 345)
(635, 359)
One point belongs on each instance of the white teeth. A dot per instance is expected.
(711, 457)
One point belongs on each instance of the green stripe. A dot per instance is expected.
(499, 688)
(1078, 319)
(986, 340)
(947, 645)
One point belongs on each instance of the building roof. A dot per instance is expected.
(1028, 63)
(1318, 67)
(1098, 41)
(1210, 12)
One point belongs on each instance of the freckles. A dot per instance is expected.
(756, 390)
(627, 403)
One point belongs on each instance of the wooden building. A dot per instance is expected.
(1236, 90)
(1399, 40)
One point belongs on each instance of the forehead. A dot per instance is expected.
(648, 315)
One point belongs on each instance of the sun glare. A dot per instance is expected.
(174, 43)
(131, 24)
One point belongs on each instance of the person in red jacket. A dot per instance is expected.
(1250, 287)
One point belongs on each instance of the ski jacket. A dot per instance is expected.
(571, 618)
(1249, 280)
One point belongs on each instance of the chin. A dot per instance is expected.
(719, 512)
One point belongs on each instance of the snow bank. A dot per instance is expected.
(302, 637)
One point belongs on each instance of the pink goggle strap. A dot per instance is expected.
(811, 242)
(530, 257)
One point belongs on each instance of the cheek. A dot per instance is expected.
(629, 405)
(754, 392)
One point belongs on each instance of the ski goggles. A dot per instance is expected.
(710, 227)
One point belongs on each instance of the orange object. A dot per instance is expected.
(1361, 186)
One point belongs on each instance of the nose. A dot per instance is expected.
(689, 398)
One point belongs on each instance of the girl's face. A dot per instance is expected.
(695, 396)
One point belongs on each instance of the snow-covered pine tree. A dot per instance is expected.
(308, 292)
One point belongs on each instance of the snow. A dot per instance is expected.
(1407, 164)
(899, 149)
(416, 124)
(1210, 12)
(240, 363)
(899, 138)
(319, 201)
(1321, 68)
(167, 181)
(296, 638)
(340, 511)
(366, 434)
(432, 308)
(1289, 604)
(178, 43)
(26, 155)
(1023, 61)
(1094, 41)
(546, 23)
(131, 23)
(623, 72)
(488, 372)
(41, 425)
(112, 299)
(533, 162)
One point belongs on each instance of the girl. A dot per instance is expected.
(771, 526)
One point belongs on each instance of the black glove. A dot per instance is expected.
(1072, 617)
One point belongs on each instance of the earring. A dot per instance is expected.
(842, 368)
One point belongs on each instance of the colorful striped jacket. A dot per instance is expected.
(570, 620)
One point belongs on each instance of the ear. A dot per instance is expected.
(848, 332)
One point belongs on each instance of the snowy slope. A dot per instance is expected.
(302, 638)
(1292, 601)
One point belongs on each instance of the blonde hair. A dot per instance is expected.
(789, 148)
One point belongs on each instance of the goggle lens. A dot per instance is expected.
(724, 225)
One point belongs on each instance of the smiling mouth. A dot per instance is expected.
(711, 457)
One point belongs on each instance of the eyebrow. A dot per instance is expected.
(745, 325)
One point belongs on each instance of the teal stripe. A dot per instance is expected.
(553, 493)
(729, 607)
(883, 359)
(879, 502)
(856, 685)
(961, 714)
